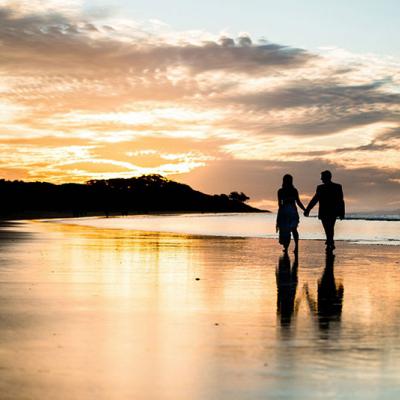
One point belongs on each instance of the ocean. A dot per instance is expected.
(357, 228)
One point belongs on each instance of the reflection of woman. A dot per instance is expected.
(286, 283)
(288, 217)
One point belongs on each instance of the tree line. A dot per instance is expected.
(148, 193)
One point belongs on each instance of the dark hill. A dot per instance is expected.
(148, 193)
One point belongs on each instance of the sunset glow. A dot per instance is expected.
(85, 95)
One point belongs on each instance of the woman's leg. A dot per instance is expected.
(296, 239)
(284, 238)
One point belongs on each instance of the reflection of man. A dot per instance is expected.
(330, 295)
(329, 304)
(331, 206)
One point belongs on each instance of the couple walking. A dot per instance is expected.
(329, 195)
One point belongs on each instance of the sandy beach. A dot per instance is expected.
(88, 313)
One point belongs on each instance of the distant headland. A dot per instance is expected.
(144, 194)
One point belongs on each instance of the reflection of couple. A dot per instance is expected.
(329, 195)
(327, 308)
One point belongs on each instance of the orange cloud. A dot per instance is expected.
(83, 98)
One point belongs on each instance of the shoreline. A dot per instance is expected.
(69, 215)
(22, 231)
(74, 222)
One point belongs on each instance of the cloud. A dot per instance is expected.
(390, 135)
(372, 146)
(318, 108)
(319, 94)
(86, 96)
(48, 141)
(18, 8)
(388, 140)
(313, 93)
(329, 123)
(57, 41)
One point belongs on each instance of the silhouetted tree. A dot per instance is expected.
(238, 196)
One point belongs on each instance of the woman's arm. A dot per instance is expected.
(279, 198)
(277, 215)
(298, 201)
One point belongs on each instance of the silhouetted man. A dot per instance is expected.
(331, 206)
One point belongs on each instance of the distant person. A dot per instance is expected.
(288, 217)
(331, 206)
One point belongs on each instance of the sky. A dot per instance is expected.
(223, 96)
(357, 25)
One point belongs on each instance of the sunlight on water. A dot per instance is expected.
(92, 313)
(248, 225)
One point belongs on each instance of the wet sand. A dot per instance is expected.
(90, 313)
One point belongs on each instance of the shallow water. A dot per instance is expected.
(249, 225)
(91, 313)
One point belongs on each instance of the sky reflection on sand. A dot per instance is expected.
(113, 314)
(246, 225)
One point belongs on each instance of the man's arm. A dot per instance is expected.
(298, 201)
(311, 204)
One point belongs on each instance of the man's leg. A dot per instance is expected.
(329, 228)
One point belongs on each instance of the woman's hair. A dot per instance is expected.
(287, 181)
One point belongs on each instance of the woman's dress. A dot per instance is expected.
(288, 217)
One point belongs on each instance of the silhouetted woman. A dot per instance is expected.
(288, 217)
